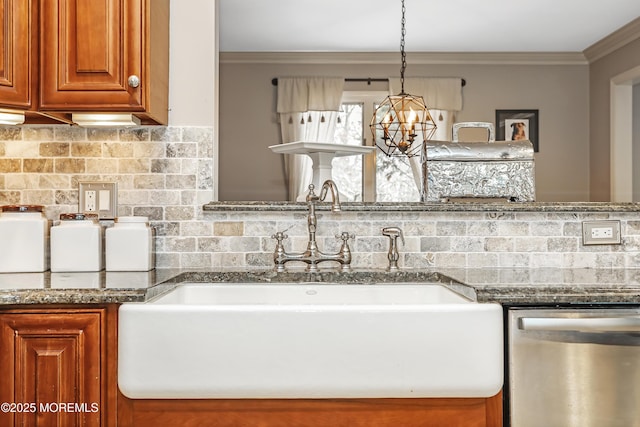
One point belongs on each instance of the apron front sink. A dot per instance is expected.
(310, 340)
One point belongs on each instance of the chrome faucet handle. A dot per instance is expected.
(279, 253)
(279, 236)
(345, 251)
(345, 236)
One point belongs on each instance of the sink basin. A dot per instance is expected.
(308, 295)
(310, 340)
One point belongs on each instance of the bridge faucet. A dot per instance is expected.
(313, 256)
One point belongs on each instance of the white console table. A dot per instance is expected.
(321, 154)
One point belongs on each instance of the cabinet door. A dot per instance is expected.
(50, 362)
(16, 52)
(89, 48)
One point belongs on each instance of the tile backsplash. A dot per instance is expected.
(166, 173)
(433, 240)
(162, 172)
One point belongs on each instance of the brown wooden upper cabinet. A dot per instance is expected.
(16, 40)
(87, 56)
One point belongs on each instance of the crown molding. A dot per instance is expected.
(430, 58)
(614, 41)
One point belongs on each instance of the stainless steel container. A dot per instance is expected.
(484, 169)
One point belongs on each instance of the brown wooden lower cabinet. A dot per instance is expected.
(311, 413)
(58, 366)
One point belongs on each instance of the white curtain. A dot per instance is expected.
(308, 111)
(443, 98)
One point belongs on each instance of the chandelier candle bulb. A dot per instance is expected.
(129, 245)
(24, 232)
(76, 243)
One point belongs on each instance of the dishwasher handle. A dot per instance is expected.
(583, 324)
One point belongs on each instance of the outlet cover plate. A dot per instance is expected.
(106, 199)
(606, 232)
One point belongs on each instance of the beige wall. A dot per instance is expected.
(193, 66)
(602, 70)
(636, 142)
(557, 87)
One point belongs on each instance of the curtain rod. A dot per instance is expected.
(274, 81)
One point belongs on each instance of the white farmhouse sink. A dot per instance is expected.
(310, 341)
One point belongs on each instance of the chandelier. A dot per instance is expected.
(402, 123)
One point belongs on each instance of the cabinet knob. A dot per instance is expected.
(133, 81)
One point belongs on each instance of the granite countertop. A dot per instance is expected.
(551, 285)
(470, 205)
(82, 288)
(505, 286)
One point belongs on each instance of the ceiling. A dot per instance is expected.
(445, 26)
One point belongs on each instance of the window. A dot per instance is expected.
(374, 177)
(347, 170)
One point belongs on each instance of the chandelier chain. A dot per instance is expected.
(402, 53)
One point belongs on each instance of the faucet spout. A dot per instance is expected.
(335, 195)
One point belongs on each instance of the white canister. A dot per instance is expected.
(129, 244)
(24, 231)
(76, 243)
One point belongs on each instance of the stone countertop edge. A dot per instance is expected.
(470, 206)
(161, 281)
(561, 295)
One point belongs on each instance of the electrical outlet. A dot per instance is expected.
(99, 197)
(601, 232)
(89, 201)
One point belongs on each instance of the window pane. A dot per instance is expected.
(347, 171)
(394, 180)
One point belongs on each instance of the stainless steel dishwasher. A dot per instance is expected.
(574, 367)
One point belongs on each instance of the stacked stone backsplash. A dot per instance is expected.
(166, 173)
(433, 240)
(162, 172)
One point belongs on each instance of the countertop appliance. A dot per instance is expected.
(573, 366)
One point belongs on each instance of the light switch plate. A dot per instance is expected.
(100, 198)
(601, 232)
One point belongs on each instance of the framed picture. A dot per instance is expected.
(513, 125)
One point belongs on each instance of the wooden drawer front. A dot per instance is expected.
(469, 412)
